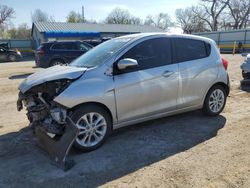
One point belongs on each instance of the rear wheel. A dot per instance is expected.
(94, 124)
(56, 62)
(12, 57)
(215, 101)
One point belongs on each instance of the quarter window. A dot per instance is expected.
(151, 53)
(189, 49)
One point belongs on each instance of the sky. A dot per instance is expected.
(93, 9)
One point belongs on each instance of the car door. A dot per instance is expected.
(150, 88)
(3, 54)
(197, 72)
(71, 51)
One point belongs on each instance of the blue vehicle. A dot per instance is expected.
(59, 52)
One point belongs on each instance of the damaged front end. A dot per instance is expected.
(49, 120)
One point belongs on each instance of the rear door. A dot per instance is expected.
(152, 87)
(67, 51)
(71, 51)
(197, 70)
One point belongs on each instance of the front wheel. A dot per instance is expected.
(215, 101)
(94, 124)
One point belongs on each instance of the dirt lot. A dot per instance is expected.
(188, 150)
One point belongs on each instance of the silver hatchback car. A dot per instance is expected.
(127, 80)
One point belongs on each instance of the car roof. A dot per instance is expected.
(61, 41)
(171, 35)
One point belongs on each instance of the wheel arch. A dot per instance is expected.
(56, 58)
(96, 104)
(225, 86)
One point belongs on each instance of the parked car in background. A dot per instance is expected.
(96, 42)
(5, 45)
(127, 80)
(59, 52)
(9, 55)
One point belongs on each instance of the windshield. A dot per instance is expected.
(101, 53)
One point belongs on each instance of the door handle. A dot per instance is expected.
(167, 73)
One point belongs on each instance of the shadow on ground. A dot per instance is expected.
(126, 151)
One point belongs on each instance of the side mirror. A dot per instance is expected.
(127, 63)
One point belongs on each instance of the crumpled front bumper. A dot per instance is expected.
(57, 146)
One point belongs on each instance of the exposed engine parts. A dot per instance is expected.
(50, 121)
(41, 110)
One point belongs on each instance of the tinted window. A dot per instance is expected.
(151, 53)
(84, 47)
(64, 46)
(189, 49)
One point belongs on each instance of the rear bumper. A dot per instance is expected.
(41, 62)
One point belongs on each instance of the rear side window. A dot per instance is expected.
(190, 49)
(64, 46)
(84, 47)
(151, 53)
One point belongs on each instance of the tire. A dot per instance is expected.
(12, 58)
(56, 62)
(87, 138)
(215, 101)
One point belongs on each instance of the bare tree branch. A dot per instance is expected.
(5, 13)
(216, 8)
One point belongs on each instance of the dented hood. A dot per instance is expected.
(53, 73)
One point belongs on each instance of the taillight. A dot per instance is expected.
(40, 51)
(225, 63)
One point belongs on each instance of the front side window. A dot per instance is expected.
(151, 53)
(190, 49)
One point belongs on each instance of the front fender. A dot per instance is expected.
(90, 89)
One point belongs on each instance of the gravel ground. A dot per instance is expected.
(187, 150)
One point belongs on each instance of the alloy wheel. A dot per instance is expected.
(93, 127)
(216, 100)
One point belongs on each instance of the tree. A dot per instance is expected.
(121, 16)
(23, 31)
(12, 33)
(161, 20)
(239, 13)
(74, 17)
(211, 11)
(188, 21)
(5, 13)
(40, 16)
